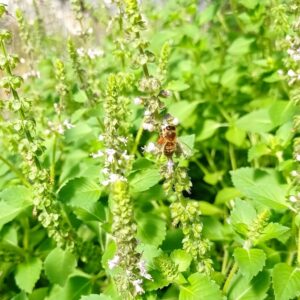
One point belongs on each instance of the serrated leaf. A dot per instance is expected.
(274, 231)
(151, 229)
(286, 281)
(200, 287)
(256, 289)
(250, 261)
(182, 259)
(261, 186)
(59, 264)
(79, 192)
(258, 121)
(13, 201)
(28, 273)
(143, 180)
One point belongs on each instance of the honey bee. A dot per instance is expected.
(167, 141)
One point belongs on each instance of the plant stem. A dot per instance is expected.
(298, 252)
(229, 278)
(225, 261)
(232, 157)
(16, 171)
(137, 139)
(16, 97)
(53, 161)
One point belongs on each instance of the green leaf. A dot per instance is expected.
(182, 259)
(230, 78)
(235, 136)
(59, 264)
(256, 289)
(261, 186)
(96, 297)
(286, 281)
(250, 261)
(80, 97)
(249, 3)
(143, 180)
(88, 211)
(213, 178)
(177, 86)
(81, 130)
(257, 151)
(227, 194)
(200, 287)
(187, 144)
(183, 110)
(80, 191)
(39, 294)
(274, 231)
(208, 209)
(242, 216)
(20, 296)
(208, 130)
(75, 287)
(240, 46)
(28, 273)
(258, 121)
(281, 112)
(151, 229)
(14, 200)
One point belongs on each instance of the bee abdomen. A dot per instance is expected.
(169, 148)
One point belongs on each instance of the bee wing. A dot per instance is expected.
(184, 146)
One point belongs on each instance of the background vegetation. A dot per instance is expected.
(92, 208)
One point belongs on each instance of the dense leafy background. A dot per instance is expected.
(234, 110)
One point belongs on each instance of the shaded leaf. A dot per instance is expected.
(143, 180)
(256, 289)
(59, 264)
(151, 229)
(200, 287)
(286, 281)
(80, 192)
(250, 261)
(261, 186)
(28, 273)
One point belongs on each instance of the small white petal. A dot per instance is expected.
(137, 101)
(291, 73)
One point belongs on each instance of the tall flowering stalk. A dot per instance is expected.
(130, 269)
(157, 120)
(292, 44)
